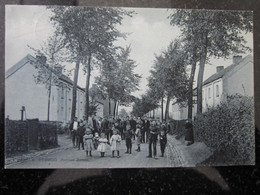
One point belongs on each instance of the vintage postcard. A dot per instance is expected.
(109, 87)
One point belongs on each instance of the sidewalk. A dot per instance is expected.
(181, 155)
(64, 142)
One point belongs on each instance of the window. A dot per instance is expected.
(217, 91)
(209, 92)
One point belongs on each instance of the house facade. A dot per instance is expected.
(21, 90)
(238, 78)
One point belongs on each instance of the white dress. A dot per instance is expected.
(115, 142)
(102, 146)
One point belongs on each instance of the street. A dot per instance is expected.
(176, 154)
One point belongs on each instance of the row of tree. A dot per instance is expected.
(204, 34)
(85, 36)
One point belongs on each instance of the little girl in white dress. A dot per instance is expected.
(115, 142)
(102, 146)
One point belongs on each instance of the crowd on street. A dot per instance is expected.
(105, 135)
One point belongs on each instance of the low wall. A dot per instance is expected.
(22, 136)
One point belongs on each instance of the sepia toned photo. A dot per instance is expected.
(108, 87)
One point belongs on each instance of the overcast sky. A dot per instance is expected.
(150, 33)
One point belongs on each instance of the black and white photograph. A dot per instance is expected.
(117, 87)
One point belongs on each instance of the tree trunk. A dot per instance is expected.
(74, 92)
(87, 88)
(201, 72)
(167, 108)
(190, 98)
(153, 113)
(117, 108)
(162, 108)
(114, 113)
(49, 98)
(109, 107)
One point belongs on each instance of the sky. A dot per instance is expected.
(149, 33)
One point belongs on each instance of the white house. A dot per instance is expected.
(238, 78)
(21, 90)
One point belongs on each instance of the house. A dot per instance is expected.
(24, 97)
(238, 78)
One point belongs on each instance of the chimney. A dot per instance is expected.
(41, 59)
(236, 59)
(219, 68)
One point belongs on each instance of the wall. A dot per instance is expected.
(240, 80)
(210, 97)
(21, 90)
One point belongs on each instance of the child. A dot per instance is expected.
(95, 140)
(102, 144)
(138, 137)
(163, 141)
(115, 142)
(88, 137)
(128, 138)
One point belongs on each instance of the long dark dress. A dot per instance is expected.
(189, 132)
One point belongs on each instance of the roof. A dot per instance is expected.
(220, 74)
(29, 58)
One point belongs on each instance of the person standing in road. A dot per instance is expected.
(189, 132)
(163, 138)
(102, 146)
(74, 128)
(128, 139)
(80, 134)
(88, 137)
(138, 136)
(145, 132)
(133, 126)
(153, 140)
(115, 142)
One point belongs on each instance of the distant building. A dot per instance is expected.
(22, 90)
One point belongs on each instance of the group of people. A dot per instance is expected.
(100, 134)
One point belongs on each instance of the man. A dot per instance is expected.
(74, 128)
(153, 140)
(133, 125)
(80, 134)
(123, 127)
(94, 123)
(146, 126)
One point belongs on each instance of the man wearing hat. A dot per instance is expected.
(153, 139)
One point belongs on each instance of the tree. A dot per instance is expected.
(214, 33)
(147, 103)
(89, 33)
(168, 77)
(117, 79)
(48, 64)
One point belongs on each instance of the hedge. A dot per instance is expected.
(229, 129)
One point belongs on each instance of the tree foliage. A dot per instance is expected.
(212, 33)
(168, 76)
(89, 33)
(117, 80)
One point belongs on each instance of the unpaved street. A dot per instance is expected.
(176, 154)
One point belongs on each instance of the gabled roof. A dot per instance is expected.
(29, 58)
(220, 74)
